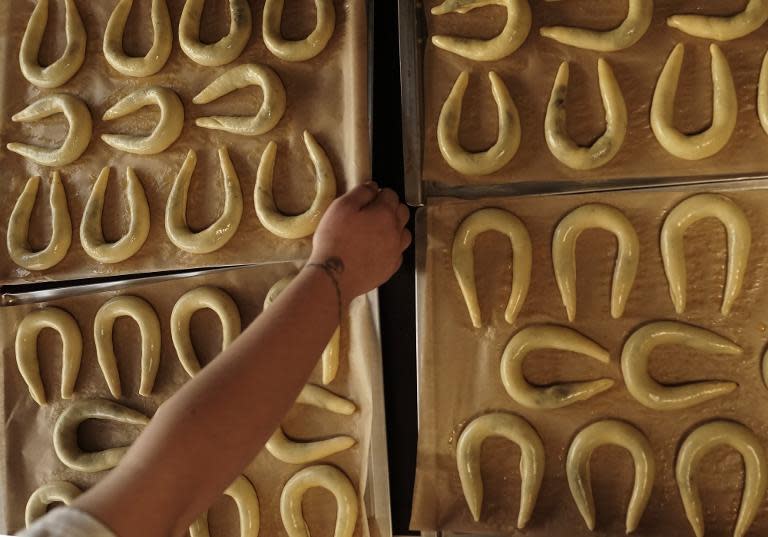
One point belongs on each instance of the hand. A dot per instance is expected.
(362, 237)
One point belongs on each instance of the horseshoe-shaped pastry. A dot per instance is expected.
(507, 143)
(469, 448)
(617, 433)
(333, 480)
(737, 229)
(331, 353)
(625, 35)
(303, 49)
(225, 50)
(145, 317)
(762, 94)
(56, 491)
(595, 215)
(91, 233)
(197, 299)
(695, 447)
(640, 384)
(71, 352)
(78, 137)
(464, 258)
(18, 227)
(320, 397)
(155, 58)
(242, 491)
(223, 229)
(752, 17)
(556, 130)
(533, 338)
(251, 74)
(302, 225)
(166, 132)
(63, 69)
(514, 34)
(724, 109)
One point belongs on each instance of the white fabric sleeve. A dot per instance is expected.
(67, 522)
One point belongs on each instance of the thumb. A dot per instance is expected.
(361, 195)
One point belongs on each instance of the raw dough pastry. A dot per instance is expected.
(629, 32)
(513, 35)
(538, 337)
(18, 227)
(469, 448)
(162, 44)
(617, 433)
(145, 317)
(167, 130)
(331, 353)
(302, 225)
(329, 478)
(78, 136)
(737, 229)
(197, 299)
(251, 74)
(724, 109)
(223, 229)
(56, 491)
(507, 143)
(91, 233)
(556, 130)
(752, 17)
(303, 49)
(694, 449)
(320, 397)
(640, 384)
(225, 50)
(65, 441)
(71, 352)
(242, 491)
(63, 69)
(595, 215)
(762, 94)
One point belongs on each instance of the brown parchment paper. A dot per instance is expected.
(326, 95)
(460, 378)
(31, 461)
(530, 72)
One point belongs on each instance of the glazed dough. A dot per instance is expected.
(57, 491)
(556, 130)
(329, 478)
(91, 232)
(762, 94)
(225, 50)
(595, 215)
(752, 17)
(63, 69)
(156, 57)
(251, 74)
(513, 35)
(197, 299)
(320, 397)
(78, 136)
(65, 441)
(617, 433)
(302, 225)
(223, 229)
(17, 237)
(167, 130)
(464, 259)
(469, 448)
(640, 384)
(559, 395)
(737, 229)
(27, 356)
(696, 446)
(145, 317)
(303, 49)
(507, 143)
(724, 109)
(242, 491)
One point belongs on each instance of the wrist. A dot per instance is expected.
(331, 269)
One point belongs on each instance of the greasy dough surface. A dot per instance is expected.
(724, 28)
(56, 491)
(244, 494)
(303, 49)
(225, 50)
(155, 58)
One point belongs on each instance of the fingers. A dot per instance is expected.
(362, 195)
(405, 240)
(388, 198)
(403, 215)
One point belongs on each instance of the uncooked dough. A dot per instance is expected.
(762, 94)
(752, 17)
(154, 60)
(320, 397)
(243, 492)
(56, 491)
(225, 50)
(303, 49)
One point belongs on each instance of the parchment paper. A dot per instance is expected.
(31, 461)
(460, 379)
(326, 95)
